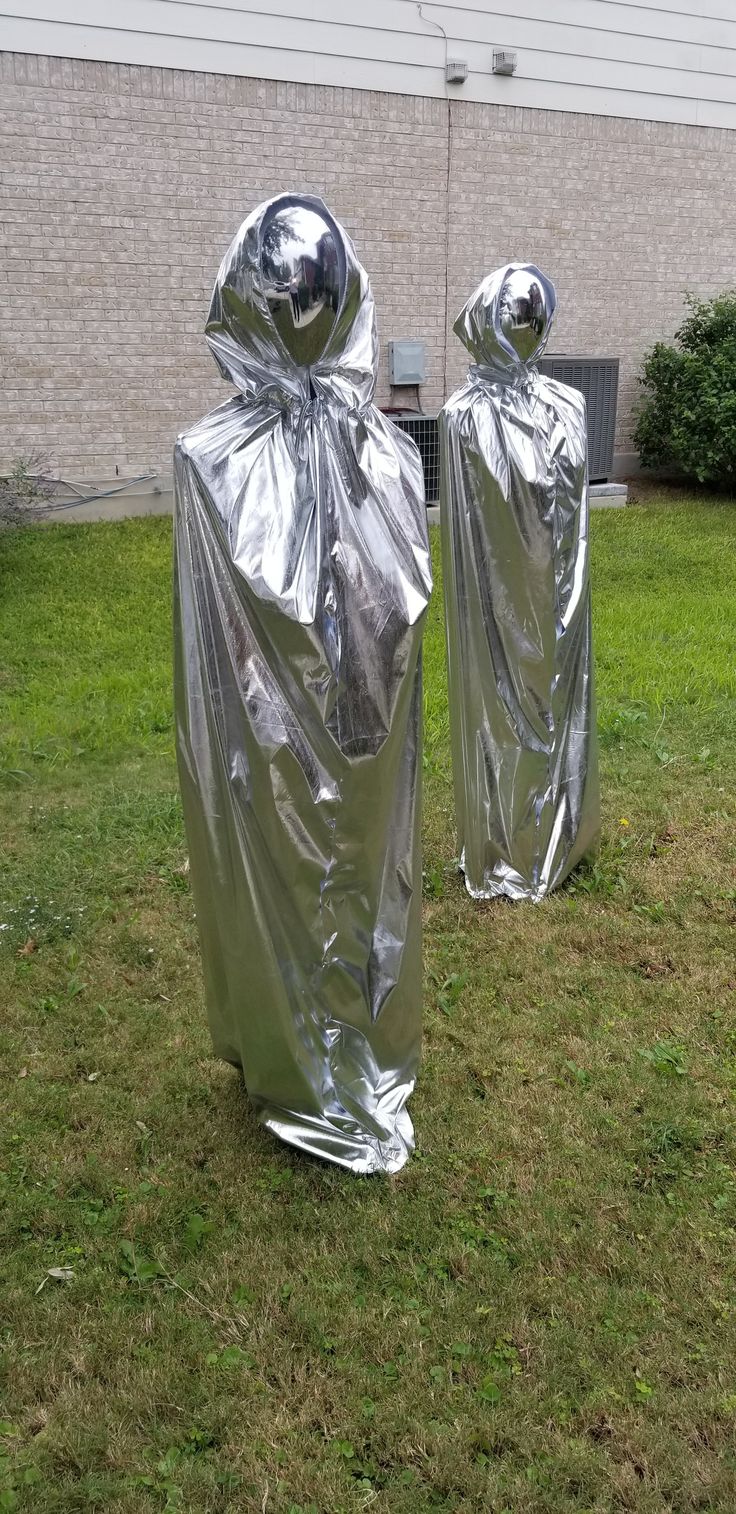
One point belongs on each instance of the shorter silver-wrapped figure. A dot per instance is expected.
(302, 578)
(514, 511)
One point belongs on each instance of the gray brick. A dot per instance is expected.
(122, 186)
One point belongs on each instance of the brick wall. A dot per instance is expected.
(623, 216)
(123, 185)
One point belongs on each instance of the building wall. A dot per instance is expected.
(122, 188)
(624, 216)
(660, 60)
(123, 185)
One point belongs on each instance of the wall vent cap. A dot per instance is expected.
(456, 71)
(504, 62)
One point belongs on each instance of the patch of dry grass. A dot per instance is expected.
(537, 1314)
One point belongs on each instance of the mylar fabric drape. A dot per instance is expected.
(302, 578)
(514, 512)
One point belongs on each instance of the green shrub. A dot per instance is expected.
(688, 418)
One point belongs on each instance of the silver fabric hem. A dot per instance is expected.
(345, 1148)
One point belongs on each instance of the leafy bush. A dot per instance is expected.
(688, 418)
(25, 491)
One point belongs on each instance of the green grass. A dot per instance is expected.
(538, 1314)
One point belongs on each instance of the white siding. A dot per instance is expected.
(665, 60)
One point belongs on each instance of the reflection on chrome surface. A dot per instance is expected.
(524, 313)
(300, 273)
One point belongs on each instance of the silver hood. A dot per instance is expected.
(244, 340)
(480, 329)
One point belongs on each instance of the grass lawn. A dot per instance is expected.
(539, 1313)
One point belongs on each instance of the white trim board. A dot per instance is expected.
(660, 62)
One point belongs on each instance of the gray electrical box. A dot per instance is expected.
(407, 363)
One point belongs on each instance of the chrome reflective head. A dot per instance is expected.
(300, 275)
(524, 313)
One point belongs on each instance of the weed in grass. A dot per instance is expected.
(196, 1231)
(433, 882)
(449, 991)
(579, 1076)
(599, 879)
(667, 1058)
(624, 724)
(137, 1268)
(228, 1358)
(668, 1153)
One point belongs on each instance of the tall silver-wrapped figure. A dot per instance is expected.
(514, 511)
(302, 580)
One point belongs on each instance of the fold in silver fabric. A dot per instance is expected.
(514, 513)
(302, 578)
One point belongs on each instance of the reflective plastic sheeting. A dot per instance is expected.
(514, 513)
(302, 578)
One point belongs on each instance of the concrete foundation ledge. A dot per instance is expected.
(608, 496)
(113, 499)
(159, 500)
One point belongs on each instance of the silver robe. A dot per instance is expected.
(302, 578)
(514, 512)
